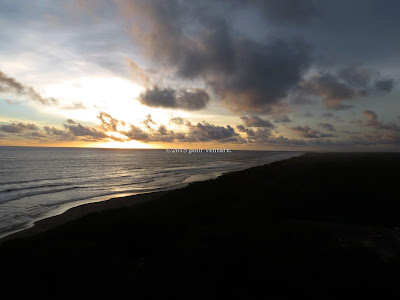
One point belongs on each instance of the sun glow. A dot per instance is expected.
(114, 95)
(126, 145)
(110, 94)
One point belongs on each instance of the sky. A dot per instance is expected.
(252, 75)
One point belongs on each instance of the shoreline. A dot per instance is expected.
(74, 210)
(62, 216)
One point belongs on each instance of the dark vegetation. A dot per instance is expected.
(264, 233)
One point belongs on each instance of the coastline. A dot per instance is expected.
(75, 212)
(77, 209)
(317, 226)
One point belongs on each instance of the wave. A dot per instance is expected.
(105, 177)
(30, 194)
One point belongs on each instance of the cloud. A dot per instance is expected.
(204, 132)
(282, 119)
(255, 121)
(261, 135)
(57, 134)
(137, 134)
(11, 85)
(148, 121)
(371, 118)
(162, 130)
(73, 132)
(381, 133)
(308, 114)
(18, 127)
(108, 123)
(137, 73)
(306, 131)
(176, 121)
(89, 133)
(201, 132)
(356, 77)
(264, 75)
(75, 106)
(250, 132)
(294, 12)
(327, 126)
(333, 92)
(347, 84)
(385, 85)
(288, 12)
(194, 99)
(327, 115)
(247, 75)
(309, 133)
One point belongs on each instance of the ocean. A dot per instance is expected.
(38, 182)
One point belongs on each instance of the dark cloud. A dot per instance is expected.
(381, 133)
(176, 120)
(306, 131)
(161, 134)
(148, 121)
(264, 75)
(162, 130)
(57, 134)
(255, 121)
(327, 115)
(291, 12)
(282, 119)
(35, 135)
(11, 85)
(73, 132)
(333, 92)
(356, 77)
(308, 115)
(371, 118)
(88, 133)
(137, 134)
(261, 135)
(18, 127)
(194, 99)
(288, 12)
(384, 85)
(247, 75)
(248, 131)
(327, 126)
(347, 84)
(204, 132)
(108, 123)
(309, 133)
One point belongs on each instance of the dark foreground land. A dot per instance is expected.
(318, 226)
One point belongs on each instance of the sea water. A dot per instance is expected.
(34, 181)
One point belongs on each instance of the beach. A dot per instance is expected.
(322, 225)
